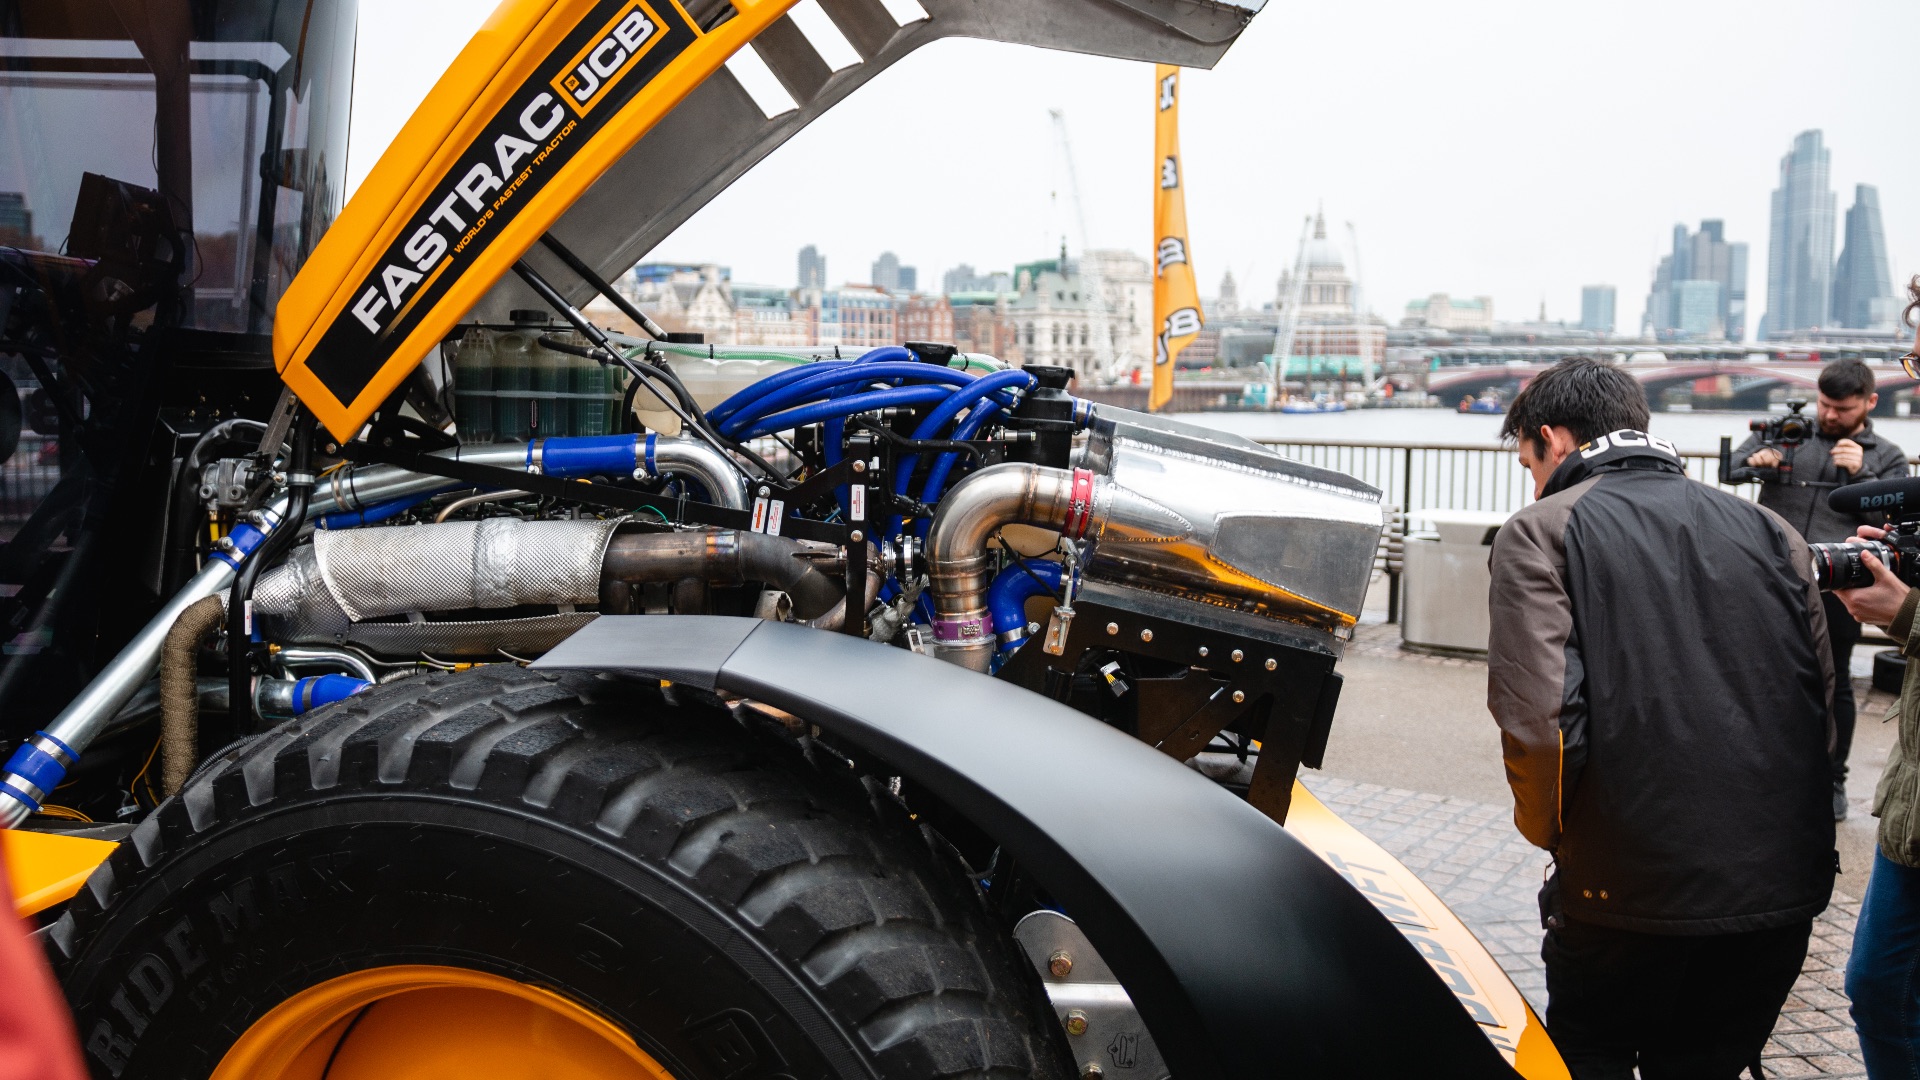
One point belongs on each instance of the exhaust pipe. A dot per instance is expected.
(957, 559)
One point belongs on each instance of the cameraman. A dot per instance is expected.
(1881, 974)
(1657, 668)
(1844, 450)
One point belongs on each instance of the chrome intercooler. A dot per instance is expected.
(1172, 509)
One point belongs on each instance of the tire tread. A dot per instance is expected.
(856, 904)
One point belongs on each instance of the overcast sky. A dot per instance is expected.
(1514, 148)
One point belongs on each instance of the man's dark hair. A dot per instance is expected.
(1846, 378)
(1584, 396)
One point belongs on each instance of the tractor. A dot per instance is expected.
(409, 673)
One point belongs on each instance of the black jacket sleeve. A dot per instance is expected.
(1743, 473)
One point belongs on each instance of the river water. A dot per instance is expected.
(1695, 432)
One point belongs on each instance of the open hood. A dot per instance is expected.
(609, 123)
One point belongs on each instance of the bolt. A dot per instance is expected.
(1603, 894)
(859, 466)
(1091, 1070)
(1076, 1022)
(1272, 663)
(1203, 650)
(1033, 628)
(1588, 893)
(1060, 964)
(1113, 628)
(1239, 696)
(1238, 656)
(856, 536)
(765, 491)
(1146, 635)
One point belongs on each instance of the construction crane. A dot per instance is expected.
(1360, 315)
(1101, 362)
(1289, 316)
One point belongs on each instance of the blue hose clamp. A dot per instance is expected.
(241, 543)
(36, 768)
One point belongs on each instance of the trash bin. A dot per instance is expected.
(1445, 582)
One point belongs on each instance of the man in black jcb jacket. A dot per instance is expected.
(1658, 669)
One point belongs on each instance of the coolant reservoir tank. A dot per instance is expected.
(473, 386)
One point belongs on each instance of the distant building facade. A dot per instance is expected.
(813, 268)
(888, 274)
(682, 298)
(924, 318)
(1228, 302)
(1053, 315)
(1702, 266)
(1596, 308)
(964, 279)
(983, 323)
(1800, 241)
(772, 316)
(1442, 311)
(856, 316)
(1329, 335)
(1863, 296)
(16, 221)
(1126, 284)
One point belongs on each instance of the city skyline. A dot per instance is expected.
(1522, 196)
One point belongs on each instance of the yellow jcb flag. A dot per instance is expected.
(1176, 299)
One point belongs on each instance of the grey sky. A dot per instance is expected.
(1517, 148)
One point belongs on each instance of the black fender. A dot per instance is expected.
(1244, 953)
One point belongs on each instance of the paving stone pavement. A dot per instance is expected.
(1470, 854)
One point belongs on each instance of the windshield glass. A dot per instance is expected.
(236, 112)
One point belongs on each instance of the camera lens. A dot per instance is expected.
(1839, 566)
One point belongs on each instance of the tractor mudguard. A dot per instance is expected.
(1245, 953)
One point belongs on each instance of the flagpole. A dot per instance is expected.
(1176, 295)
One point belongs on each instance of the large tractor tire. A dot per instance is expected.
(510, 874)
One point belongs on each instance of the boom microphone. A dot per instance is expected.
(1895, 498)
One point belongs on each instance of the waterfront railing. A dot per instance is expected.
(1449, 476)
(1457, 476)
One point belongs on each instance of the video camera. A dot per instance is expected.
(1784, 432)
(1781, 433)
(1839, 566)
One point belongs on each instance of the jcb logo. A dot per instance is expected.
(591, 73)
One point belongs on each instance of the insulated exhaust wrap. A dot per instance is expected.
(459, 565)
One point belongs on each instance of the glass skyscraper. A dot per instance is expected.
(1700, 290)
(1800, 242)
(1596, 308)
(813, 268)
(1862, 290)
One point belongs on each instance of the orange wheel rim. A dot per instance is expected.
(425, 1022)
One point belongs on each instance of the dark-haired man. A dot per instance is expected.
(1657, 668)
(1844, 450)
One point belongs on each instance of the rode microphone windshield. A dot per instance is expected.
(1896, 498)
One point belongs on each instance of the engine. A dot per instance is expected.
(1138, 567)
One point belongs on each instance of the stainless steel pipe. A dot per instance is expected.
(958, 562)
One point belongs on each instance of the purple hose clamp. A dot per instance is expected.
(970, 631)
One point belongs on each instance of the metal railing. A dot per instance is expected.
(1457, 476)
(1450, 476)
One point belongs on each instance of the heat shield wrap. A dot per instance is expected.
(456, 565)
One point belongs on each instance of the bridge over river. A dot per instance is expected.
(1728, 376)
